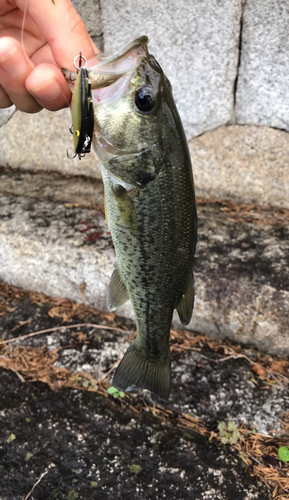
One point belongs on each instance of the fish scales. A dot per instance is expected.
(151, 210)
(155, 247)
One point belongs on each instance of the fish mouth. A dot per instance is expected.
(106, 69)
(110, 68)
(109, 63)
(110, 79)
(121, 66)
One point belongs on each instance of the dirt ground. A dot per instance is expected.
(63, 436)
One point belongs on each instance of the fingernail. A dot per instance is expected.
(14, 63)
(48, 91)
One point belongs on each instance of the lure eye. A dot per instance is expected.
(144, 99)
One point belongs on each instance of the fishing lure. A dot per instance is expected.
(81, 111)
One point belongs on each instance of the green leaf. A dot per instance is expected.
(283, 453)
(115, 392)
(28, 456)
(229, 433)
(72, 495)
(188, 435)
(119, 395)
(112, 390)
(243, 458)
(93, 484)
(135, 469)
(11, 438)
(27, 419)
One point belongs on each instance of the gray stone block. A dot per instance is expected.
(45, 247)
(241, 268)
(242, 278)
(196, 43)
(74, 191)
(40, 142)
(262, 90)
(89, 10)
(246, 164)
(242, 163)
(6, 114)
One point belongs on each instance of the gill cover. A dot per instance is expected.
(82, 112)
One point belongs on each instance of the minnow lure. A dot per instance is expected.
(81, 111)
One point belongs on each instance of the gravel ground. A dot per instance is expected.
(91, 446)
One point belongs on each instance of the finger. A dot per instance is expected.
(12, 58)
(63, 29)
(5, 101)
(48, 86)
(14, 69)
(43, 55)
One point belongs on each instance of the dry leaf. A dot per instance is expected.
(259, 370)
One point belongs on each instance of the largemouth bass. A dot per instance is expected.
(151, 210)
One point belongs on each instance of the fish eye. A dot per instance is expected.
(144, 99)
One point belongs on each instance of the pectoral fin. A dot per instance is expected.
(117, 292)
(186, 305)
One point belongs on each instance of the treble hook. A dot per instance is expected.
(76, 154)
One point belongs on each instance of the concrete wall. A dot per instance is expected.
(229, 65)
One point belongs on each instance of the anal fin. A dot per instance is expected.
(186, 305)
(117, 292)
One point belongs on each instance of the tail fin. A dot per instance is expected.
(135, 370)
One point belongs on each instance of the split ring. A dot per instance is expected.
(79, 57)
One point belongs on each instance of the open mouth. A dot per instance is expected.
(111, 68)
(123, 60)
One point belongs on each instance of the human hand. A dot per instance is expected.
(54, 33)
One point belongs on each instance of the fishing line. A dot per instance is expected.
(22, 34)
